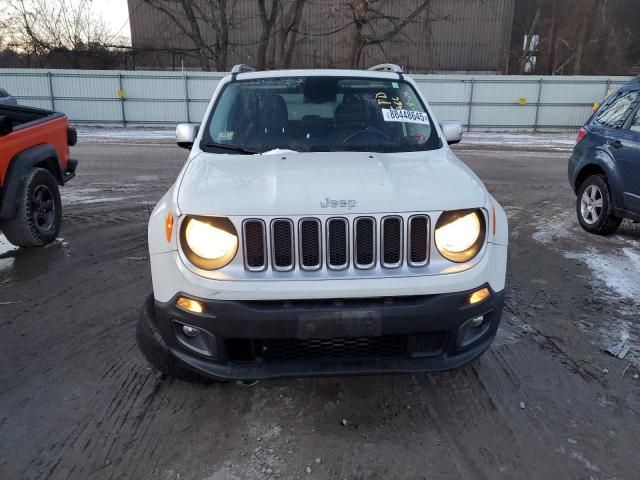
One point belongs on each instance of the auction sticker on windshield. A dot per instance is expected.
(411, 116)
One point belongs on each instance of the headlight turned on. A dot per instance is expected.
(209, 243)
(460, 234)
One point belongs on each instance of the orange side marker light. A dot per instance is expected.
(494, 220)
(168, 227)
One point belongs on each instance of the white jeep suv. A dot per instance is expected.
(322, 226)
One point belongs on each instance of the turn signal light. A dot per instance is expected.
(494, 220)
(479, 295)
(190, 305)
(168, 227)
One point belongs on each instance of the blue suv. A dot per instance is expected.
(604, 169)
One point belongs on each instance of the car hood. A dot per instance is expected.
(300, 183)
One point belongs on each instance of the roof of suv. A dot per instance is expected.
(634, 83)
(318, 73)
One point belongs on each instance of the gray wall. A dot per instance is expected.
(479, 101)
(466, 35)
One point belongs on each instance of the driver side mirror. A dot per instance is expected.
(452, 131)
(186, 134)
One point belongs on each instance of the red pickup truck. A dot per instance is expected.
(34, 160)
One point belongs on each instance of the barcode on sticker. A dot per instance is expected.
(410, 116)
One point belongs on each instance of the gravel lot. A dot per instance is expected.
(78, 401)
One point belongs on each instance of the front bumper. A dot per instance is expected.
(300, 338)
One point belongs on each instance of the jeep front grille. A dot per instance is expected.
(310, 240)
(255, 245)
(418, 241)
(364, 243)
(336, 243)
(391, 242)
(282, 243)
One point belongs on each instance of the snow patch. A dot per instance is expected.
(552, 229)
(580, 458)
(84, 196)
(614, 265)
(122, 134)
(6, 261)
(278, 151)
(5, 246)
(551, 141)
(620, 273)
(559, 142)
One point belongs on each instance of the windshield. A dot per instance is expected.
(319, 114)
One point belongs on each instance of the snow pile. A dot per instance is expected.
(561, 142)
(552, 229)
(544, 141)
(85, 196)
(123, 135)
(620, 273)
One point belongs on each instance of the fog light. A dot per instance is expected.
(476, 322)
(196, 339)
(190, 305)
(479, 295)
(190, 331)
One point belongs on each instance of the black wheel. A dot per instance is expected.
(156, 352)
(39, 212)
(593, 206)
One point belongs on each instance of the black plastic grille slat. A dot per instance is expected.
(254, 241)
(339, 348)
(419, 240)
(338, 243)
(297, 349)
(391, 241)
(365, 244)
(310, 247)
(282, 244)
(431, 343)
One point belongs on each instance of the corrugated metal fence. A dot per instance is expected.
(142, 97)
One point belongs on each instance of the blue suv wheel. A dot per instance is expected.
(593, 206)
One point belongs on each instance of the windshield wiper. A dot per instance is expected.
(233, 148)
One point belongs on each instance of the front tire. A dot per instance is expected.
(156, 351)
(39, 211)
(593, 206)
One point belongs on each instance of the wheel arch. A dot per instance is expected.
(603, 165)
(39, 156)
(586, 171)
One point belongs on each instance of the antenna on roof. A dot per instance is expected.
(387, 67)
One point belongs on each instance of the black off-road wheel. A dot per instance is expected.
(593, 206)
(39, 211)
(156, 352)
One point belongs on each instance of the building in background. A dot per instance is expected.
(422, 35)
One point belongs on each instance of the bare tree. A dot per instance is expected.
(205, 23)
(279, 20)
(285, 41)
(267, 12)
(367, 15)
(41, 26)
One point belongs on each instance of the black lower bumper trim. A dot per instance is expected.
(272, 339)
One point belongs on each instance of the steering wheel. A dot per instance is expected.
(367, 131)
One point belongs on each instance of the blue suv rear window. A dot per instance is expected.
(615, 112)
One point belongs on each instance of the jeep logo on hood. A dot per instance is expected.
(328, 202)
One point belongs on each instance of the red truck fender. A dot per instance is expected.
(44, 156)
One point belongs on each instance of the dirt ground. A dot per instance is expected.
(77, 400)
